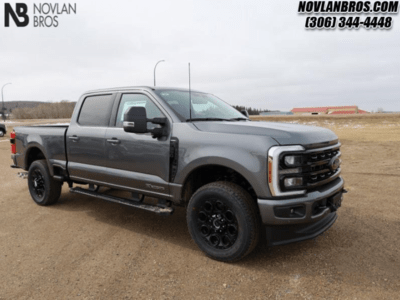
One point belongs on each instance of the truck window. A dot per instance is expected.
(203, 105)
(96, 111)
(130, 100)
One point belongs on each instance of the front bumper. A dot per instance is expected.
(291, 220)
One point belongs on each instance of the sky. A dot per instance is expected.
(252, 53)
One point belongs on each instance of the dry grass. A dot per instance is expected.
(374, 127)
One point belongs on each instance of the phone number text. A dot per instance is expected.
(348, 22)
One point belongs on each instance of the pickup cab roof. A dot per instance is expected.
(133, 88)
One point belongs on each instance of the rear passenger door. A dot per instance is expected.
(85, 139)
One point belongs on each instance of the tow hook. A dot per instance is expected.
(336, 201)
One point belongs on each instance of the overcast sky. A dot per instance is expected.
(253, 53)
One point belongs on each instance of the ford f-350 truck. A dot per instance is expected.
(238, 179)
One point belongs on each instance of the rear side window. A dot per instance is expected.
(96, 111)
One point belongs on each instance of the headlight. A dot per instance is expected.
(278, 171)
(293, 160)
(292, 182)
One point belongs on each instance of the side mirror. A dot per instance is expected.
(135, 121)
(245, 113)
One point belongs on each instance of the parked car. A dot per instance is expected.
(3, 130)
(238, 179)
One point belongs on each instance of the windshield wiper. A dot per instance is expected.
(207, 119)
(238, 119)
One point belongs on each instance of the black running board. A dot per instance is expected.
(163, 211)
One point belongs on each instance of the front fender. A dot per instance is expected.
(251, 165)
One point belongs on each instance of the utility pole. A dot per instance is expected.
(2, 99)
(155, 71)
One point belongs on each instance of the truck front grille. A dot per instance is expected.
(317, 168)
(293, 170)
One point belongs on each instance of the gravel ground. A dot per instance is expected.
(83, 248)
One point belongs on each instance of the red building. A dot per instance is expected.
(328, 110)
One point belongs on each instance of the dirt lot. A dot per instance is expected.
(82, 248)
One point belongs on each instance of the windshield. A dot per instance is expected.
(204, 106)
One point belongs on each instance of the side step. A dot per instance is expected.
(163, 211)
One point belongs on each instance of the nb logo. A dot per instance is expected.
(20, 13)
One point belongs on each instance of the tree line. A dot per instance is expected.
(55, 110)
(250, 110)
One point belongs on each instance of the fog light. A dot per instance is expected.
(292, 160)
(295, 181)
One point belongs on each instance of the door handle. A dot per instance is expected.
(114, 141)
(74, 138)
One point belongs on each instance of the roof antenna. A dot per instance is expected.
(190, 98)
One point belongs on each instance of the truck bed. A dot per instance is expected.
(48, 139)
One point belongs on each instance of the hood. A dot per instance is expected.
(283, 133)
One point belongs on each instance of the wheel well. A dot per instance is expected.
(32, 155)
(211, 173)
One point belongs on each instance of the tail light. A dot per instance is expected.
(12, 141)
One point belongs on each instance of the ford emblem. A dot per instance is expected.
(334, 163)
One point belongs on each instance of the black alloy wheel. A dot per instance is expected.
(218, 224)
(224, 221)
(38, 183)
(44, 189)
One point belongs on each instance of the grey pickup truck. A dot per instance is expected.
(240, 180)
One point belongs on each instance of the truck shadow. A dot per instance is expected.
(343, 249)
(168, 228)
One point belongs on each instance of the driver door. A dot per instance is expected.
(137, 162)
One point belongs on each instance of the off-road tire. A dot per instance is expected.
(245, 211)
(2, 133)
(51, 188)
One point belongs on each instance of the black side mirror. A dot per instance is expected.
(245, 113)
(135, 120)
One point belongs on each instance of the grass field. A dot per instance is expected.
(372, 127)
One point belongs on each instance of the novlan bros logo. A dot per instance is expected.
(44, 14)
(21, 12)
